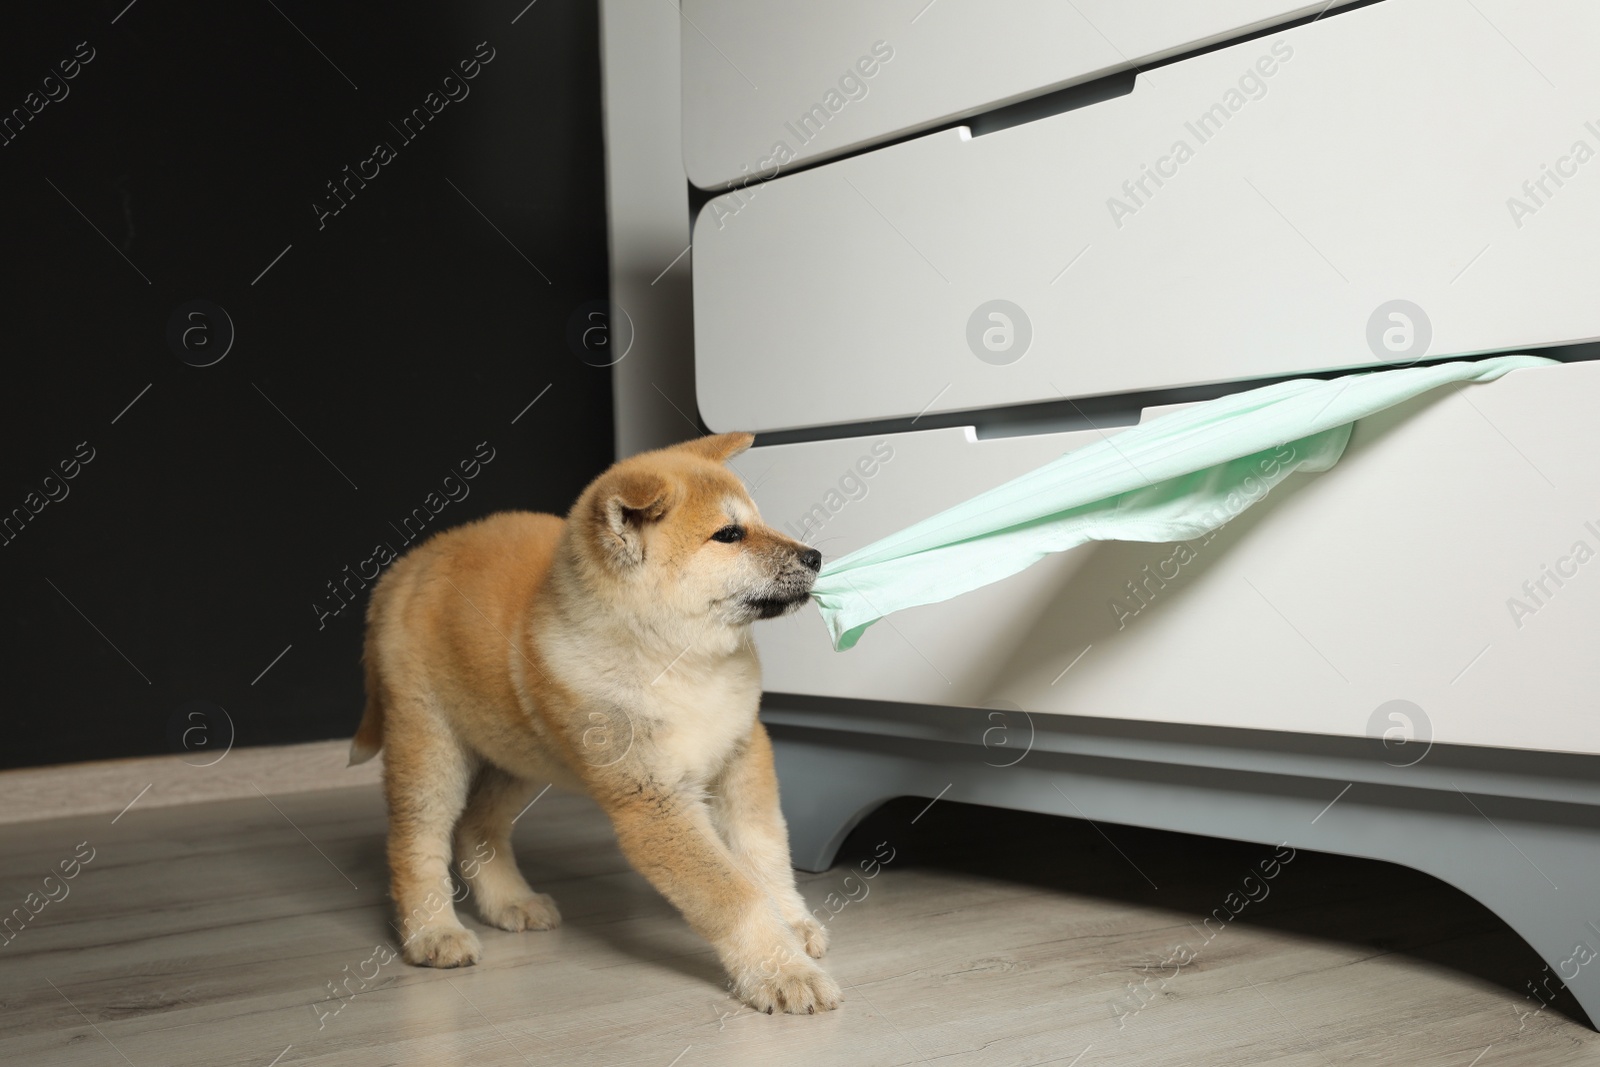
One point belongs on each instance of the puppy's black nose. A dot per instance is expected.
(812, 559)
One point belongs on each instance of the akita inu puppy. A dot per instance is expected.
(608, 653)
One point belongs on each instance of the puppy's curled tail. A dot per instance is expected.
(369, 735)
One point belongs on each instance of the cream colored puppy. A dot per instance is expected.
(608, 653)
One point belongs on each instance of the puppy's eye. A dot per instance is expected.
(729, 534)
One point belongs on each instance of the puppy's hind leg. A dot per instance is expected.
(426, 775)
(485, 860)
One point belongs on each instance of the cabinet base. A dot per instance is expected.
(1518, 831)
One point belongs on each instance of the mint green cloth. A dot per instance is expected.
(1171, 479)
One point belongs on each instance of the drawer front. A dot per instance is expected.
(1450, 561)
(1404, 182)
(822, 78)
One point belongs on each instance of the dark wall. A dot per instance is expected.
(170, 530)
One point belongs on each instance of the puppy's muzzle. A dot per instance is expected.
(790, 586)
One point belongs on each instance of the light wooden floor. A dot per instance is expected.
(209, 934)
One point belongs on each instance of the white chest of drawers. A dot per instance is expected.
(1436, 153)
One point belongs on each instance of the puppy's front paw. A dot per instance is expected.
(537, 911)
(443, 946)
(799, 987)
(813, 934)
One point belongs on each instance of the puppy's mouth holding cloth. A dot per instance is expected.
(772, 607)
(787, 591)
(1171, 479)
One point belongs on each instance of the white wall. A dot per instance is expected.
(647, 204)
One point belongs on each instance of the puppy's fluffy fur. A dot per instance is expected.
(608, 653)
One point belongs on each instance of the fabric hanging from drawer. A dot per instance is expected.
(1172, 479)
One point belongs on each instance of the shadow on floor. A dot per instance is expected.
(1382, 906)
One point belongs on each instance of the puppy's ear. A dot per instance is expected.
(628, 502)
(719, 447)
